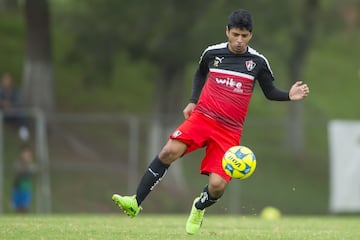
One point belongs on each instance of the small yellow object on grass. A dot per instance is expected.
(270, 213)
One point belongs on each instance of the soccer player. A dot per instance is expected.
(214, 118)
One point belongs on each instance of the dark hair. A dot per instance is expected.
(240, 19)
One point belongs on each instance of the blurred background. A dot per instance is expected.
(102, 83)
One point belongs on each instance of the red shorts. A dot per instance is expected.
(200, 131)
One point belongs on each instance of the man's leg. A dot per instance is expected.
(154, 174)
(210, 195)
(131, 204)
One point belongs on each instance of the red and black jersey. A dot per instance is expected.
(226, 81)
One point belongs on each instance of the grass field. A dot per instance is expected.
(171, 227)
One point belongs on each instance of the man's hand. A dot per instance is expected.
(188, 109)
(298, 91)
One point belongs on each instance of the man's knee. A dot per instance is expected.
(171, 151)
(217, 185)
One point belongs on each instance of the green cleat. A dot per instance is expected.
(128, 204)
(195, 219)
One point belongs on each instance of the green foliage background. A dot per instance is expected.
(331, 70)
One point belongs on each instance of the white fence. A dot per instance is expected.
(69, 128)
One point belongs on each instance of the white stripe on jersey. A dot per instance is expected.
(239, 74)
(216, 46)
(253, 51)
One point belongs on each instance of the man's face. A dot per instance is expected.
(238, 39)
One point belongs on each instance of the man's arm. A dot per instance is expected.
(297, 91)
(198, 84)
(271, 92)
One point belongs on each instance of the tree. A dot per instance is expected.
(38, 78)
(302, 38)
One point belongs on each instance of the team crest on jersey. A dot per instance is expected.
(176, 133)
(217, 61)
(250, 65)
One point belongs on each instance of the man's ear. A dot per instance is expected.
(227, 31)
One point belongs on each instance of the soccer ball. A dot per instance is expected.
(239, 162)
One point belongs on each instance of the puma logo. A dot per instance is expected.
(219, 59)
